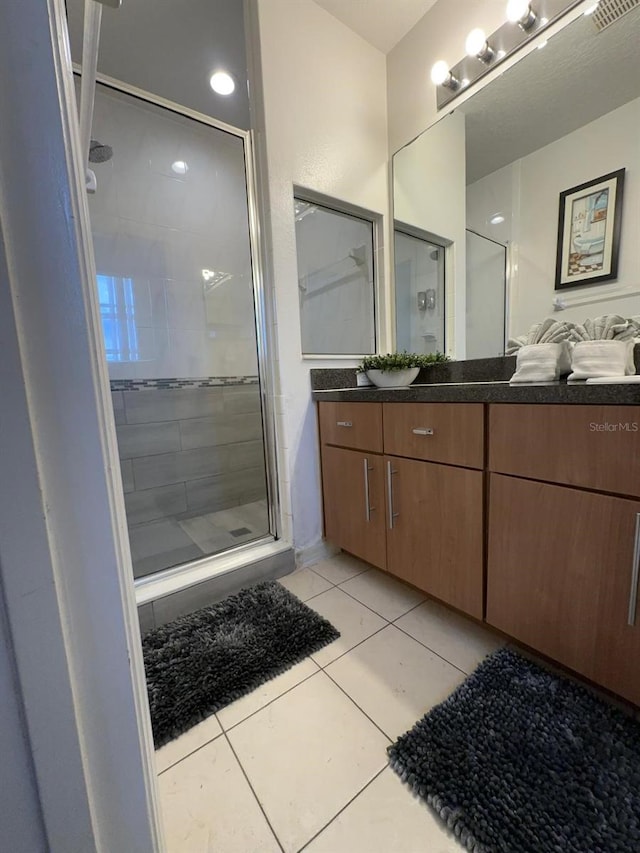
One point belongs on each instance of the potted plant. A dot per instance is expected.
(397, 369)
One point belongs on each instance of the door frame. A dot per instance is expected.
(65, 565)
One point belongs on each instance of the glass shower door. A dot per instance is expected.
(171, 234)
(420, 289)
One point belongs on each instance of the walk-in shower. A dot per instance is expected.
(175, 251)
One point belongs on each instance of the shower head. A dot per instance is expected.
(99, 153)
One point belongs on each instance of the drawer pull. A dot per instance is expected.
(392, 514)
(344, 423)
(635, 572)
(368, 509)
(422, 431)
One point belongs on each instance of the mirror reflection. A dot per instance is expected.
(485, 183)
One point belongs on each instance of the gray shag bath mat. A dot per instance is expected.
(518, 760)
(199, 663)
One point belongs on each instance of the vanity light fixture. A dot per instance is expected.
(441, 76)
(520, 12)
(222, 82)
(478, 46)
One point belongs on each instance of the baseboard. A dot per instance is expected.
(322, 550)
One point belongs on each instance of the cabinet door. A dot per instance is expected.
(559, 577)
(353, 495)
(434, 530)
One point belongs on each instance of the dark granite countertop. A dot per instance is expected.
(490, 392)
(473, 381)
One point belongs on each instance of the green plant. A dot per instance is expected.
(401, 361)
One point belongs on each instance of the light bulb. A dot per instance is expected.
(476, 41)
(222, 83)
(517, 10)
(439, 73)
(180, 167)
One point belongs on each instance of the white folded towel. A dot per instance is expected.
(541, 363)
(602, 358)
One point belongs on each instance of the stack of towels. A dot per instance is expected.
(543, 355)
(602, 347)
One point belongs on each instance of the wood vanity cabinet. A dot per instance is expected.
(561, 559)
(404, 511)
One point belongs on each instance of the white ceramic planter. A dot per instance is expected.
(393, 378)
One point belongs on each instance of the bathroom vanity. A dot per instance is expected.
(518, 506)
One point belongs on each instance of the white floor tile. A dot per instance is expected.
(458, 640)
(354, 621)
(208, 807)
(306, 755)
(394, 679)
(386, 595)
(386, 818)
(187, 743)
(305, 583)
(340, 568)
(261, 696)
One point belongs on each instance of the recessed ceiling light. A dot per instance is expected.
(222, 82)
(179, 167)
(497, 219)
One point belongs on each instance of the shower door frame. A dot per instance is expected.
(175, 578)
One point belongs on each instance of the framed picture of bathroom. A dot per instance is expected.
(589, 232)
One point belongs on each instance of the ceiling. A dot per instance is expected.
(579, 76)
(380, 22)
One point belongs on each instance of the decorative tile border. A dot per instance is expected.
(168, 384)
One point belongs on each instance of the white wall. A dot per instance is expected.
(161, 229)
(429, 193)
(604, 145)
(527, 192)
(440, 34)
(325, 129)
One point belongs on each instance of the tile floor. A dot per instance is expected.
(300, 763)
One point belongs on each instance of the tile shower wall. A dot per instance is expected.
(171, 206)
(185, 452)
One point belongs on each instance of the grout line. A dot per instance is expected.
(393, 621)
(193, 751)
(345, 806)
(244, 773)
(386, 618)
(275, 698)
(351, 649)
(433, 651)
(351, 699)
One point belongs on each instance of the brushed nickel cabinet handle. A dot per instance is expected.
(392, 514)
(368, 509)
(422, 431)
(344, 423)
(635, 572)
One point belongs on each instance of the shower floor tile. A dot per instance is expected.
(159, 545)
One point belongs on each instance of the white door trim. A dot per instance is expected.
(64, 554)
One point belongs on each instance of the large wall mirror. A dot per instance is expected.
(484, 183)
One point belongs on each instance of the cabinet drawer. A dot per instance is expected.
(452, 433)
(596, 447)
(355, 425)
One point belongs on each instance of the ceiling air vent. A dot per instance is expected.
(610, 11)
